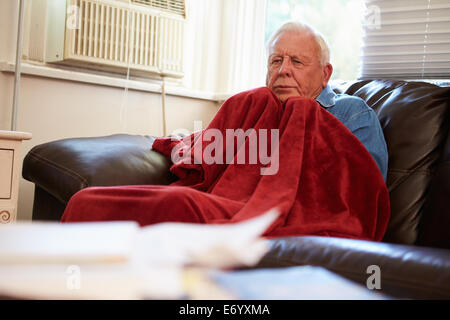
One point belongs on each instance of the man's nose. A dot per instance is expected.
(286, 67)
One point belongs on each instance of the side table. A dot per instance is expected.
(10, 169)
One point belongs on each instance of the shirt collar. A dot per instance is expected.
(327, 98)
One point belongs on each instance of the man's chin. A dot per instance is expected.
(284, 97)
(284, 93)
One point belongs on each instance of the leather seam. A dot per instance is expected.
(406, 175)
(411, 172)
(60, 168)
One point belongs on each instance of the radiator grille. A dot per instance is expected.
(173, 6)
(115, 34)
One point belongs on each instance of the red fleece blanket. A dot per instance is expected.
(295, 156)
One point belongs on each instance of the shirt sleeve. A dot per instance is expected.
(366, 127)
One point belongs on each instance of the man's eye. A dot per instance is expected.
(276, 61)
(297, 62)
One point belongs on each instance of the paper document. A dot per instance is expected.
(220, 246)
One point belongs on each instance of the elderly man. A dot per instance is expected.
(324, 183)
(299, 65)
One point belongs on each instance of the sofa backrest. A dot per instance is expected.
(415, 121)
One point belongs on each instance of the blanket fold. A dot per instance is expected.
(256, 154)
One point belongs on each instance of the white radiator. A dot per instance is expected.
(112, 35)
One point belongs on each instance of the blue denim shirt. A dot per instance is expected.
(361, 120)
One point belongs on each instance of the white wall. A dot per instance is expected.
(8, 29)
(54, 109)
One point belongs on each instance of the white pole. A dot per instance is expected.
(18, 65)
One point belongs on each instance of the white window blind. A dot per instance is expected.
(406, 39)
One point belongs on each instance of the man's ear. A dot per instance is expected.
(327, 71)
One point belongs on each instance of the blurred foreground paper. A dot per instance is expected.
(120, 260)
(169, 243)
(220, 246)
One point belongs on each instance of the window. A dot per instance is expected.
(339, 21)
(369, 39)
(224, 46)
(407, 39)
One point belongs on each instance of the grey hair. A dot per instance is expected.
(302, 27)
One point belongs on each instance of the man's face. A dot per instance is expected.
(294, 67)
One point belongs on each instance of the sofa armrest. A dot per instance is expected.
(406, 271)
(64, 167)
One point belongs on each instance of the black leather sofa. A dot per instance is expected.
(414, 256)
